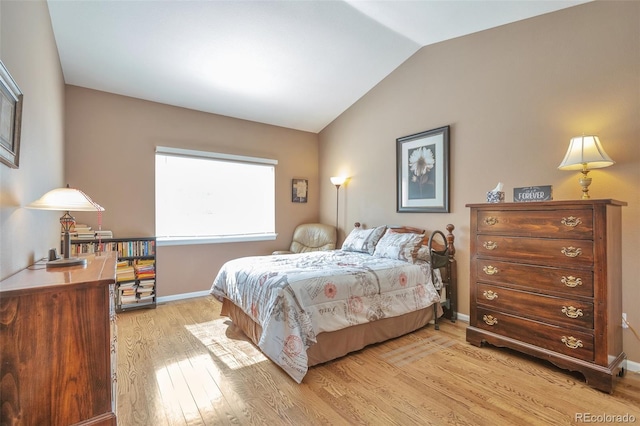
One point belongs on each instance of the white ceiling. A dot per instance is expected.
(291, 63)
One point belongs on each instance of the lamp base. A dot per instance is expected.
(585, 181)
(72, 261)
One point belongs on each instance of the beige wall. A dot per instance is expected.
(28, 50)
(513, 96)
(110, 145)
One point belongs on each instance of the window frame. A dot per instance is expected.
(189, 153)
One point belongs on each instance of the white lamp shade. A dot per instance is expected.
(338, 180)
(66, 199)
(585, 150)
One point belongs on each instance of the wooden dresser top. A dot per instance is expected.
(547, 204)
(100, 270)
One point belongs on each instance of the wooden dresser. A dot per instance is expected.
(57, 345)
(546, 281)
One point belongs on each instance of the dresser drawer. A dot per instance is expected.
(556, 310)
(540, 279)
(537, 251)
(573, 224)
(558, 339)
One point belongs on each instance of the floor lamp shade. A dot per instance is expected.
(338, 180)
(66, 200)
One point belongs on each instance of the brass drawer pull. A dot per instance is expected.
(490, 295)
(571, 221)
(490, 245)
(571, 251)
(490, 270)
(490, 319)
(572, 312)
(572, 342)
(490, 220)
(571, 281)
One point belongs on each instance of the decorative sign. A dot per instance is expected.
(532, 193)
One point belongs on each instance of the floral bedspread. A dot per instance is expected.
(296, 296)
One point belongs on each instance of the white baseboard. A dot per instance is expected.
(632, 366)
(182, 296)
(463, 317)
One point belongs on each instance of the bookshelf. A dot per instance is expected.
(135, 268)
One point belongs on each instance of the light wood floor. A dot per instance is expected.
(183, 364)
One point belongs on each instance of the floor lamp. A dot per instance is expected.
(337, 181)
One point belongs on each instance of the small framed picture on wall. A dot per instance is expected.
(299, 190)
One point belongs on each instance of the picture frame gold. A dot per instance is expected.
(10, 119)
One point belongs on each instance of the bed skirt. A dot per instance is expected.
(335, 344)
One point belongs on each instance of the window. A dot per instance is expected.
(204, 197)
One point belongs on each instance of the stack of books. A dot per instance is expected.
(128, 293)
(126, 279)
(146, 276)
(124, 272)
(103, 234)
(146, 291)
(145, 269)
(83, 232)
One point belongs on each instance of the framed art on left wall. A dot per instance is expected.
(10, 119)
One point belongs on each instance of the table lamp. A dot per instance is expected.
(67, 200)
(585, 153)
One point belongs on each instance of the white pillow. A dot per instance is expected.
(400, 246)
(363, 240)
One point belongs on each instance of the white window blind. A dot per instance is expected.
(211, 197)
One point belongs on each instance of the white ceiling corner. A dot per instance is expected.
(291, 63)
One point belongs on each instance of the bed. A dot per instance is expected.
(309, 308)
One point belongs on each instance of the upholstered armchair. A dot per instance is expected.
(311, 237)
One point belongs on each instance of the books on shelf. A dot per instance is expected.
(124, 271)
(135, 267)
(82, 231)
(136, 248)
(137, 281)
(141, 248)
(128, 300)
(145, 269)
(146, 285)
(145, 299)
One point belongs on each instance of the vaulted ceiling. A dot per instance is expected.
(291, 63)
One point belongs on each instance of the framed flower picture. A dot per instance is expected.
(423, 172)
